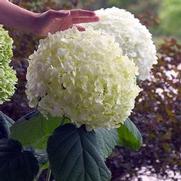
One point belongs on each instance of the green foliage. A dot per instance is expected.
(34, 129)
(129, 135)
(5, 124)
(107, 140)
(15, 163)
(170, 13)
(73, 155)
(120, 3)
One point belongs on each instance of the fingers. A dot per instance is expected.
(57, 14)
(79, 16)
(81, 12)
(85, 20)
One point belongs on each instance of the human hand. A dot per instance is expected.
(53, 21)
(41, 24)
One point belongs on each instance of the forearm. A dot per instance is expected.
(16, 17)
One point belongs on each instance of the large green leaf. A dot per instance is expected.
(107, 140)
(34, 129)
(74, 156)
(129, 135)
(16, 164)
(5, 124)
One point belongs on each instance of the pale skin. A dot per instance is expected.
(41, 24)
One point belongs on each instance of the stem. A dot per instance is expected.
(38, 176)
(48, 174)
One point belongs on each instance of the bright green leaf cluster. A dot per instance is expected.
(7, 74)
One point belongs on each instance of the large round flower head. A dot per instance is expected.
(82, 75)
(133, 37)
(7, 82)
(5, 47)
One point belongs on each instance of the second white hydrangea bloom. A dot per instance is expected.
(133, 37)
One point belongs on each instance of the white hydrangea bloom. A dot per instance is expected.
(133, 37)
(82, 75)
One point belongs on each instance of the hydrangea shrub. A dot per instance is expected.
(83, 86)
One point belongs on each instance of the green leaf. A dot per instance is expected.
(129, 135)
(5, 123)
(107, 140)
(73, 155)
(16, 164)
(34, 129)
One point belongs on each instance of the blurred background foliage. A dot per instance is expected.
(158, 108)
(170, 13)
